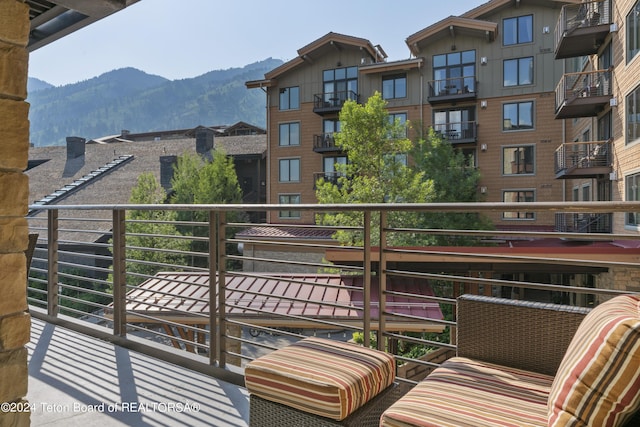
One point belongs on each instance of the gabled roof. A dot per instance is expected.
(308, 52)
(450, 27)
(472, 23)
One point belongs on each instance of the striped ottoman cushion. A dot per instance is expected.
(466, 392)
(598, 381)
(323, 377)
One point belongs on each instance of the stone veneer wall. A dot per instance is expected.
(15, 321)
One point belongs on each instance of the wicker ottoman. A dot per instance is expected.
(318, 382)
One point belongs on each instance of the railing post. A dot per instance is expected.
(366, 294)
(119, 274)
(221, 250)
(382, 278)
(214, 339)
(52, 263)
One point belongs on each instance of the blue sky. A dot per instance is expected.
(179, 39)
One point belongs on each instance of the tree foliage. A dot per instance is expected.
(147, 228)
(198, 181)
(385, 166)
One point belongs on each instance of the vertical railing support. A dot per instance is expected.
(52, 263)
(214, 339)
(119, 274)
(366, 294)
(382, 277)
(221, 250)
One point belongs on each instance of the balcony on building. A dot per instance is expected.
(568, 222)
(331, 177)
(458, 133)
(582, 28)
(452, 90)
(583, 160)
(325, 143)
(332, 102)
(583, 94)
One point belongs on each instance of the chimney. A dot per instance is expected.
(204, 141)
(75, 147)
(166, 171)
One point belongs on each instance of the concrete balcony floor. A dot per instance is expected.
(76, 380)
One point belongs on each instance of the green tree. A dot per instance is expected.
(197, 181)
(146, 231)
(387, 167)
(377, 171)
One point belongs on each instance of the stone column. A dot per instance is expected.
(14, 198)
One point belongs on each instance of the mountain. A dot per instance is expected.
(34, 85)
(131, 99)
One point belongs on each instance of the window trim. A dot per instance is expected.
(518, 76)
(533, 115)
(526, 214)
(635, 9)
(518, 42)
(288, 124)
(288, 90)
(631, 100)
(394, 78)
(288, 159)
(518, 146)
(293, 214)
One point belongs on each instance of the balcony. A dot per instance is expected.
(584, 223)
(325, 143)
(584, 94)
(452, 90)
(332, 102)
(458, 132)
(583, 160)
(186, 309)
(582, 28)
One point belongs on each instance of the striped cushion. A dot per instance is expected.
(323, 377)
(598, 381)
(466, 392)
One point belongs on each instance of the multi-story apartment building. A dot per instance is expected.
(485, 81)
(598, 100)
(543, 95)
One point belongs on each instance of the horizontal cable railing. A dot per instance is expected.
(213, 290)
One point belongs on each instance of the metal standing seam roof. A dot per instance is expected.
(322, 296)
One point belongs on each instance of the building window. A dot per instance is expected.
(517, 30)
(455, 124)
(290, 98)
(518, 196)
(518, 160)
(289, 199)
(394, 86)
(632, 184)
(289, 170)
(633, 115)
(331, 173)
(518, 71)
(633, 32)
(340, 85)
(454, 73)
(517, 116)
(289, 134)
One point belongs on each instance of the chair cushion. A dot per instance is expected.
(319, 376)
(598, 381)
(467, 392)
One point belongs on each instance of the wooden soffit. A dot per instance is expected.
(452, 27)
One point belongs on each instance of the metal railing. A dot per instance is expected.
(588, 84)
(200, 286)
(583, 155)
(582, 15)
(457, 131)
(567, 222)
(454, 86)
(330, 101)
